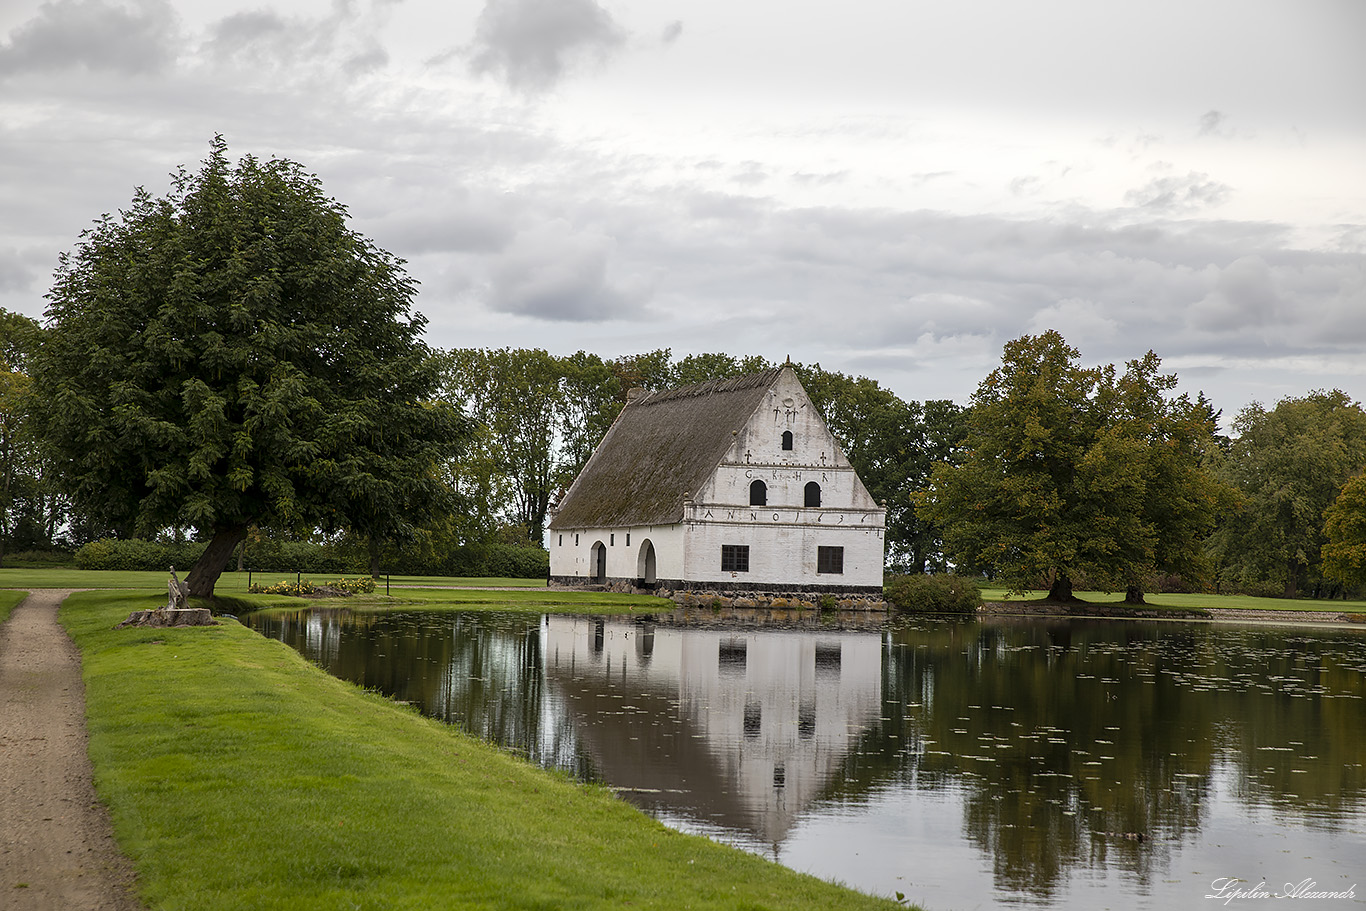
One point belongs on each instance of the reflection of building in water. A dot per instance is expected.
(738, 728)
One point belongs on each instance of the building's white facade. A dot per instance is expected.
(781, 509)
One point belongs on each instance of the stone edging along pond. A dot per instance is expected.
(1134, 612)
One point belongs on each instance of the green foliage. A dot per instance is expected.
(537, 419)
(940, 593)
(1288, 465)
(234, 354)
(446, 558)
(31, 512)
(299, 588)
(136, 554)
(294, 589)
(1344, 531)
(1071, 472)
(362, 585)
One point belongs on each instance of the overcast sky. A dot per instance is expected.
(892, 188)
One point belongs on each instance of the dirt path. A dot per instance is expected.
(57, 849)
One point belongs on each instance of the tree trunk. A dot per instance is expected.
(1061, 589)
(1291, 577)
(372, 545)
(1134, 595)
(204, 575)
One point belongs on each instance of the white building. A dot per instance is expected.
(731, 485)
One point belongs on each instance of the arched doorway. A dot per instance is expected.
(598, 562)
(645, 564)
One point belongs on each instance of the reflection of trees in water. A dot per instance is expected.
(1064, 737)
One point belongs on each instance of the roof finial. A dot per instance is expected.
(789, 361)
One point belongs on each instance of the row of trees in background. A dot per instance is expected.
(233, 363)
(1103, 476)
(539, 417)
(1056, 474)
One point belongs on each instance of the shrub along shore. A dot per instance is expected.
(239, 776)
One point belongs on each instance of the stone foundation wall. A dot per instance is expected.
(742, 595)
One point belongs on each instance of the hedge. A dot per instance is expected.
(491, 559)
(941, 593)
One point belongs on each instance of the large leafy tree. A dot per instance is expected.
(1070, 472)
(22, 489)
(1289, 464)
(1344, 531)
(234, 354)
(537, 418)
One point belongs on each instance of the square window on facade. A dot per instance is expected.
(830, 560)
(734, 558)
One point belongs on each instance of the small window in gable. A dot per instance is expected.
(758, 494)
(813, 494)
(787, 440)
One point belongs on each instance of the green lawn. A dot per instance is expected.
(1194, 601)
(239, 776)
(8, 601)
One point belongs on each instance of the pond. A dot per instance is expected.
(1025, 763)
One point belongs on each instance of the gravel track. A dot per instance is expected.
(57, 849)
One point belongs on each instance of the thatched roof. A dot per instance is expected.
(662, 447)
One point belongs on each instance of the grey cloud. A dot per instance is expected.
(553, 272)
(532, 43)
(366, 61)
(1174, 195)
(459, 227)
(827, 178)
(921, 300)
(750, 173)
(1243, 295)
(243, 30)
(1210, 123)
(344, 39)
(672, 31)
(93, 35)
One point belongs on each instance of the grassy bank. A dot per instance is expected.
(8, 601)
(239, 776)
(1195, 601)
